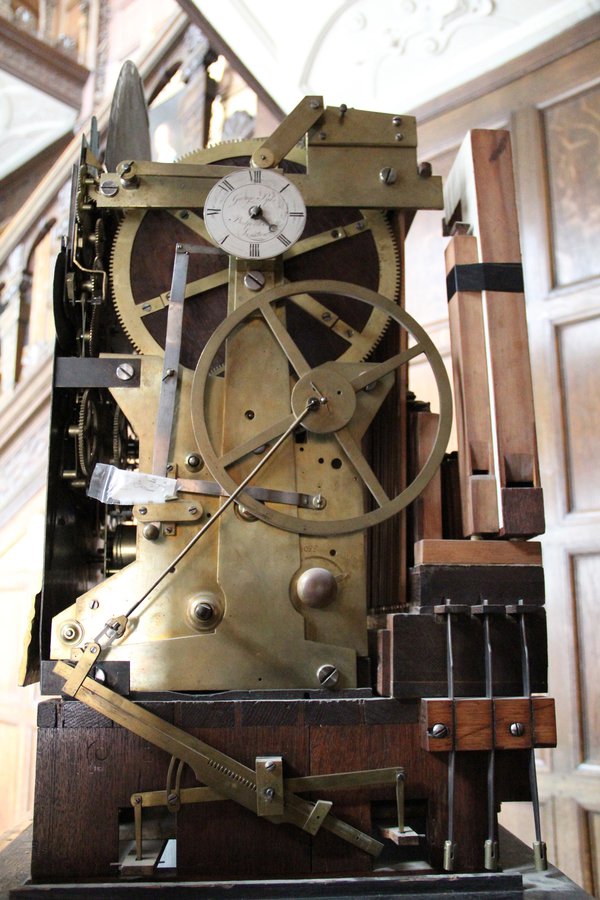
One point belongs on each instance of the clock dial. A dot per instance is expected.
(254, 213)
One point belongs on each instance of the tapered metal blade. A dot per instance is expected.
(128, 135)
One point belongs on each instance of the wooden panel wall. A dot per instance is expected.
(20, 579)
(553, 114)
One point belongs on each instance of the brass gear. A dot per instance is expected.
(339, 381)
(349, 244)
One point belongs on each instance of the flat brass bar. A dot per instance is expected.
(283, 338)
(315, 241)
(137, 821)
(170, 373)
(354, 453)
(151, 799)
(266, 495)
(77, 675)
(336, 185)
(375, 371)
(288, 133)
(342, 780)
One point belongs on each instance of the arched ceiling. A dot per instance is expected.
(387, 55)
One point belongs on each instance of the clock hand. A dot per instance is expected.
(256, 212)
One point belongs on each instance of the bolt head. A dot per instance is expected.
(388, 175)
(439, 730)
(328, 675)
(70, 632)
(109, 188)
(254, 280)
(397, 120)
(142, 510)
(193, 461)
(517, 729)
(151, 531)
(203, 611)
(125, 372)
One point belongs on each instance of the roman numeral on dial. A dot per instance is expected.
(285, 241)
(254, 251)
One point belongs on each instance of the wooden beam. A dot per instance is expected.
(41, 65)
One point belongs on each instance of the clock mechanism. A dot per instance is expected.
(238, 572)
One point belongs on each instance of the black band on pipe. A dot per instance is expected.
(501, 277)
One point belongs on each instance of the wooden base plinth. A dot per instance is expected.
(491, 886)
(87, 770)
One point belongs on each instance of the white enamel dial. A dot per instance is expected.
(254, 213)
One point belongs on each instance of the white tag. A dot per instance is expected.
(111, 485)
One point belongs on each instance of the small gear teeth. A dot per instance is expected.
(396, 291)
(116, 305)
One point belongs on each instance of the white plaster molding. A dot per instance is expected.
(391, 55)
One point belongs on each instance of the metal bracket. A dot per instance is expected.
(269, 786)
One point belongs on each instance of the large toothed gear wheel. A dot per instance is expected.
(341, 243)
(338, 385)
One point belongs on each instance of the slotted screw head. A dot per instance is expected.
(328, 675)
(439, 730)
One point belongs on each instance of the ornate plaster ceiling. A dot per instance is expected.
(382, 54)
(29, 121)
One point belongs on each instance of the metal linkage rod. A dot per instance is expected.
(312, 404)
(449, 844)
(539, 846)
(491, 855)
